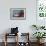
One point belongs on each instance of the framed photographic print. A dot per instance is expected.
(41, 12)
(17, 13)
(41, 8)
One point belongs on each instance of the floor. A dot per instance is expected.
(13, 44)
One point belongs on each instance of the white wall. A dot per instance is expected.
(24, 25)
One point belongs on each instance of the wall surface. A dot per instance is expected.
(24, 25)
